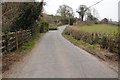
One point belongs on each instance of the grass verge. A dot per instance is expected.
(30, 45)
(111, 60)
(82, 44)
(93, 49)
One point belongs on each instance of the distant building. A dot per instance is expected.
(119, 11)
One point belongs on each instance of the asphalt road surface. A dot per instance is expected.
(55, 57)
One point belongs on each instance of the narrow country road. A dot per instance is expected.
(55, 57)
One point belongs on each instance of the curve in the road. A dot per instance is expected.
(55, 57)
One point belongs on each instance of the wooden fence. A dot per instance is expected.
(12, 41)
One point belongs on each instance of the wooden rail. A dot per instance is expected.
(12, 41)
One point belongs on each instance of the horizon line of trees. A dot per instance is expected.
(85, 14)
(66, 12)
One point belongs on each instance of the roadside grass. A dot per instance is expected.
(104, 55)
(82, 44)
(30, 45)
(100, 28)
(93, 49)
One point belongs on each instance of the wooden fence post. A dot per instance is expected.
(7, 42)
(22, 37)
(16, 37)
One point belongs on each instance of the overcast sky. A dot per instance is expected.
(106, 9)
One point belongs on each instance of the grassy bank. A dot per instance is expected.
(94, 41)
(86, 46)
(93, 49)
(107, 41)
(109, 58)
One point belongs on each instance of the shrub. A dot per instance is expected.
(44, 26)
(17, 16)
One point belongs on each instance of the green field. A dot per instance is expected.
(102, 28)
